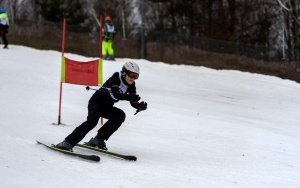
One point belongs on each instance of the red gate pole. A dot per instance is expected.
(62, 54)
(100, 48)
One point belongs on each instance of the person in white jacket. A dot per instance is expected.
(107, 42)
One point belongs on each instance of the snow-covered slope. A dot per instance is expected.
(203, 128)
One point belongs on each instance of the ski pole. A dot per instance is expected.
(99, 90)
(88, 88)
(137, 111)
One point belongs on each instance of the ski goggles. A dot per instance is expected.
(133, 75)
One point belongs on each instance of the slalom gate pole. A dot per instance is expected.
(62, 54)
(100, 49)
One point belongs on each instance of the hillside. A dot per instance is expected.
(203, 128)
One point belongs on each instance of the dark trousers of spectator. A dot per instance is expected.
(3, 32)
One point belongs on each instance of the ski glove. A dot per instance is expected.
(142, 106)
(133, 97)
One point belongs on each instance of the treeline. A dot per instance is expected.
(268, 23)
(244, 21)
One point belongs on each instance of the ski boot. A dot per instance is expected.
(97, 142)
(65, 146)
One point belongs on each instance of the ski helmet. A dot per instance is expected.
(131, 67)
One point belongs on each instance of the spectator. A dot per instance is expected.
(108, 36)
(4, 25)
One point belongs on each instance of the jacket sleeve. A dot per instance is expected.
(135, 105)
(118, 94)
(123, 96)
(113, 85)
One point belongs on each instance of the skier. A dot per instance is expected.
(108, 36)
(120, 86)
(4, 25)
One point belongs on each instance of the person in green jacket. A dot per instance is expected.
(4, 25)
(107, 42)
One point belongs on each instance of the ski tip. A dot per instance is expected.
(131, 158)
(95, 158)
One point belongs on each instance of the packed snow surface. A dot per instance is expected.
(203, 127)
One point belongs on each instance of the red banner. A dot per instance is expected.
(81, 73)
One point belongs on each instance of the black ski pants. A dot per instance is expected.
(3, 32)
(96, 110)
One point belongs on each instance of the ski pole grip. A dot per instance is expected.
(137, 111)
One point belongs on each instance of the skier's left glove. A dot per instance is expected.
(139, 106)
(142, 106)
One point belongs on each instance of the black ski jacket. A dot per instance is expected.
(113, 90)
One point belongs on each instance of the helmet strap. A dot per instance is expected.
(124, 74)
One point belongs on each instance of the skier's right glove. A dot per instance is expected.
(133, 98)
(142, 106)
(139, 106)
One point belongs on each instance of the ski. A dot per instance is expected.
(83, 156)
(126, 157)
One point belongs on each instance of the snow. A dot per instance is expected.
(203, 127)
